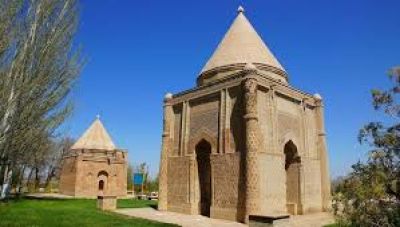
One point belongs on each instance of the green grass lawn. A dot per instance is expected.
(74, 212)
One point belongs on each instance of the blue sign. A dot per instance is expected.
(138, 178)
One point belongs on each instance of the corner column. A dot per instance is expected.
(184, 136)
(323, 155)
(227, 124)
(252, 146)
(272, 113)
(166, 145)
(221, 127)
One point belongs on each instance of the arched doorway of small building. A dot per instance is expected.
(292, 168)
(102, 178)
(101, 185)
(203, 151)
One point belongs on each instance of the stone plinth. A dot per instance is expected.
(108, 202)
(291, 208)
(269, 221)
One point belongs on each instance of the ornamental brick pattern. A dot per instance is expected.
(227, 196)
(252, 145)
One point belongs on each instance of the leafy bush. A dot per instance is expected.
(370, 194)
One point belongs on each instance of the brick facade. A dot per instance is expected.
(94, 166)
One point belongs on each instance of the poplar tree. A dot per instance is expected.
(39, 64)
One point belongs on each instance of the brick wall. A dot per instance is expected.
(83, 181)
(178, 180)
(68, 176)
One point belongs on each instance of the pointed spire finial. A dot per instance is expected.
(98, 116)
(240, 9)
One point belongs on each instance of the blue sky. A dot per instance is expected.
(139, 50)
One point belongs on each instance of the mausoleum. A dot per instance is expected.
(94, 166)
(243, 141)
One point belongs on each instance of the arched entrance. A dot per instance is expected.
(101, 185)
(292, 168)
(203, 151)
(102, 178)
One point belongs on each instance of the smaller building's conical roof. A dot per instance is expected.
(95, 137)
(241, 44)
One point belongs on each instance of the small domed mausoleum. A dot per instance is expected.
(94, 166)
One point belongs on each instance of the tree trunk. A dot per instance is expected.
(37, 178)
(50, 175)
(28, 181)
(6, 182)
(20, 178)
(1, 178)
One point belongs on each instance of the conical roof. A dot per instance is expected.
(241, 44)
(95, 137)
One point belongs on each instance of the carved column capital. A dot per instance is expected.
(167, 118)
(303, 104)
(271, 91)
(250, 85)
(250, 98)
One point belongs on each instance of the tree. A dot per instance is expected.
(129, 177)
(39, 65)
(142, 168)
(370, 195)
(153, 184)
(53, 158)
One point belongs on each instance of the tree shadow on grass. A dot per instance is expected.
(135, 203)
(154, 206)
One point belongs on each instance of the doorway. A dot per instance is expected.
(102, 177)
(101, 185)
(292, 168)
(203, 151)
